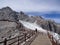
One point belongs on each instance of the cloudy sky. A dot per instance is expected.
(33, 6)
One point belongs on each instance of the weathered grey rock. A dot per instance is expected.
(7, 14)
(9, 29)
(58, 28)
(45, 24)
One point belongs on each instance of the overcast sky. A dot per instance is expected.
(33, 6)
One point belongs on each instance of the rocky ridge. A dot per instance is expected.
(8, 17)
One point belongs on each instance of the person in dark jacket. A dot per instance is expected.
(36, 30)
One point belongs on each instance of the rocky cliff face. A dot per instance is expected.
(9, 25)
(7, 14)
(58, 28)
(46, 24)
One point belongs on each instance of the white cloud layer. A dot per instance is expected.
(57, 20)
(31, 5)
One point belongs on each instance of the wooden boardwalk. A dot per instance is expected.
(41, 39)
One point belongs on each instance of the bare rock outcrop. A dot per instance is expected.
(13, 17)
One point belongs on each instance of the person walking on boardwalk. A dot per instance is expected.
(36, 30)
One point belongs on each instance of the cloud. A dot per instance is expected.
(48, 2)
(55, 19)
(32, 5)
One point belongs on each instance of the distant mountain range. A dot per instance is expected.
(54, 15)
(49, 14)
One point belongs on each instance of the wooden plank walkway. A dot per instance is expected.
(42, 39)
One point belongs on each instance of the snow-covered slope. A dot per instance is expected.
(56, 36)
(34, 26)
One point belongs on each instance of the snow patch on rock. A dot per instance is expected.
(32, 26)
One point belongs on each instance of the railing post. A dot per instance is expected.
(5, 41)
(32, 33)
(18, 40)
(25, 36)
(56, 43)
